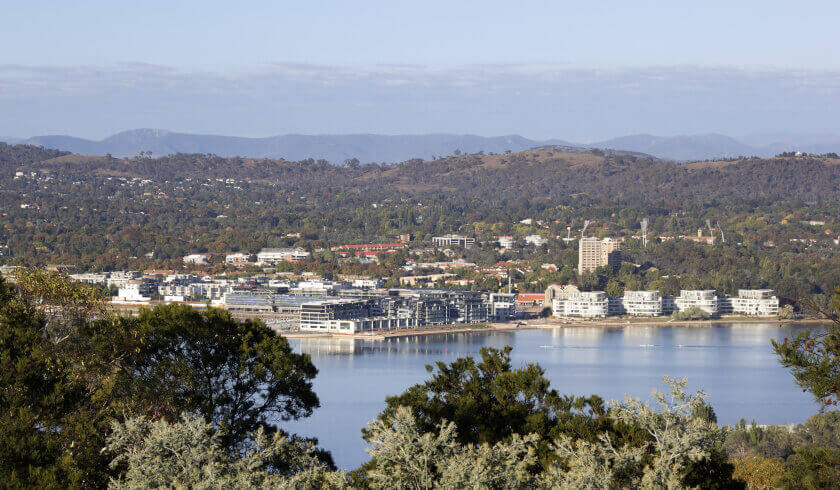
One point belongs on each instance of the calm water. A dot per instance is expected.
(734, 364)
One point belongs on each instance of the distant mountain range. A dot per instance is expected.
(380, 148)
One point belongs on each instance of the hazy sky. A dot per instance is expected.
(575, 70)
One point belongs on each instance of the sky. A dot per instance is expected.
(579, 71)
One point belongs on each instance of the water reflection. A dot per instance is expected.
(734, 364)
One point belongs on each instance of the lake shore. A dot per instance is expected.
(551, 323)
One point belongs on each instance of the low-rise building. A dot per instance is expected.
(237, 259)
(452, 240)
(196, 259)
(272, 256)
(536, 240)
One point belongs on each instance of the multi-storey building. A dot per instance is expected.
(502, 306)
(452, 240)
(589, 304)
(705, 299)
(120, 279)
(642, 303)
(271, 256)
(90, 277)
(594, 253)
(754, 302)
(196, 259)
(506, 241)
(136, 291)
(348, 316)
(237, 259)
(536, 240)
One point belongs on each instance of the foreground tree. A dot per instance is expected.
(68, 370)
(191, 454)
(683, 449)
(814, 356)
(490, 401)
(406, 456)
(239, 375)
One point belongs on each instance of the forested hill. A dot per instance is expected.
(550, 173)
(11, 155)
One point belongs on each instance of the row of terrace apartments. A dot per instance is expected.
(368, 249)
(596, 304)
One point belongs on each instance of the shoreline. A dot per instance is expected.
(549, 323)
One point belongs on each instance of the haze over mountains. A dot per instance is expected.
(384, 148)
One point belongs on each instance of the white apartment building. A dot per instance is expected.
(271, 256)
(196, 259)
(368, 283)
(705, 299)
(506, 241)
(535, 240)
(642, 303)
(317, 288)
(138, 292)
(753, 302)
(119, 279)
(585, 304)
(453, 241)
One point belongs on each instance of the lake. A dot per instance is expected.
(733, 363)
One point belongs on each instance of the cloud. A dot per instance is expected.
(535, 100)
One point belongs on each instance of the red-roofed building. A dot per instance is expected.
(530, 299)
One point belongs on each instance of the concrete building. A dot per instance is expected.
(453, 241)
(641, 303)
(705, 299)
(502, 306)
(700, 238)
(272, 256)
(589, 304)
(317, 288)
(558, 291)
(506, 241)
(120, 279)
(536, 240)
(237, 259)
(594, 253)
(348, 316)
(196, 259)
(135, 292)
(248, 302)
(368, 283)
(90, 277)
(752, 302)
